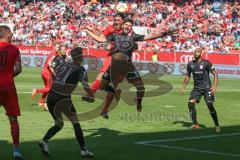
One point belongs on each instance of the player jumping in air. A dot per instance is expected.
(200, 69)
(115, 28)
(123, 46)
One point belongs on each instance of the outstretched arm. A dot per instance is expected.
(163, 30)
(159, 32)
(153, 35)
(91, 30)
(98, 38)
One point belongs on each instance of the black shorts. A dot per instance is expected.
(198, 93)
(58, 104)
(122, 68)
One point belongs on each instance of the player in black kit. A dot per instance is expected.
(121, 66)
(200, 69)
(56, 63)
(59, 100)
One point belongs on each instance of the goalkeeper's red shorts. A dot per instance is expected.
(9, 100)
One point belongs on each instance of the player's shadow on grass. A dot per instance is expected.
(109, 144)
(103, 132)
(188, 124)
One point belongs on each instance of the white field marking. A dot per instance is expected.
(150, 143)
(29, 86)
(167, 106)
(41, 93)
(149, 91)
(188, 138)
(24, 92)
(194, 150)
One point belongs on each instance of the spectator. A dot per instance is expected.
(199, 23)
(155, 57)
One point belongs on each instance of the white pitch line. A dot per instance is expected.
(154, 91)
(194, 150)
(188, 138)
(150, 143)
(170, 106)
(24, 92)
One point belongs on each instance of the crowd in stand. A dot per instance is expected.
(214, 24)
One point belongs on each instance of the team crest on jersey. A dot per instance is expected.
(201, 66)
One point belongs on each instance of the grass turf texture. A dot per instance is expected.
(164, 116)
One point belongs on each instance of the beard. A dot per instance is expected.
(196, 57)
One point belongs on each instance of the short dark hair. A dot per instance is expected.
(200, 49)
(3, 30)
(128, 20)
(76, 53)
(119, 14)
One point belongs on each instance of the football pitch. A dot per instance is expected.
(160, 131)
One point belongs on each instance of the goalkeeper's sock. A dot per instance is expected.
(51, 132)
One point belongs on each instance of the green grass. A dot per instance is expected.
(164, 116)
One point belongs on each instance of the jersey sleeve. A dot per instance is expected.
(138, 37)
(210, 66)
(189, 71)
